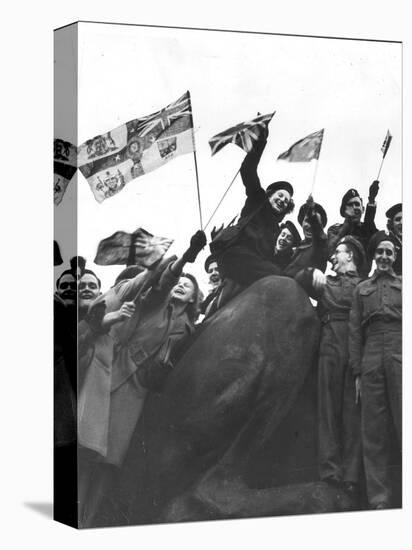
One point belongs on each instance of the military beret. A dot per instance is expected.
(393, 210)
(209, 260)
(359, 251)
(292, 228)
(275, 186)
(377, 238)
(347, 197)
(318, 209)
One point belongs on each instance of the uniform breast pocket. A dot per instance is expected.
(369, 298)
(396, 295)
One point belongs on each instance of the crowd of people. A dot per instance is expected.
(131, 336)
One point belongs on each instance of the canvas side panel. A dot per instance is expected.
(65, 292)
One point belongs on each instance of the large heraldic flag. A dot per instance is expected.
(65, 165)
(111, 160)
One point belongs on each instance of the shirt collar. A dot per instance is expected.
(377, 274)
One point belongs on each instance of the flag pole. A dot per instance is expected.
(194, 156)
(221, 200)
(317, 163)
(380, 168)
(314, 176)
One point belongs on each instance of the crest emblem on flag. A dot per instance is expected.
(243, 135)
(100, 145)
(111, 183)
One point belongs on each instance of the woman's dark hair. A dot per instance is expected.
(193, 308)
(389, 224)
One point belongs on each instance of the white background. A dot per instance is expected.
(27, 279)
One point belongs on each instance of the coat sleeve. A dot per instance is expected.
(248, 169)
(369, 221)
(355, 334)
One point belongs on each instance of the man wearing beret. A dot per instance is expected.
(352, 209)
(394, 225)
(338, 414)
(287, 240)
(313, 250)
(375, 355)
(247, 255)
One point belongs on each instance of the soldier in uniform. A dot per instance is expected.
(394, 225)
(375, 352)
(351, 210)
(339, 415)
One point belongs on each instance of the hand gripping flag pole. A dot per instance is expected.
(244, 135)
(384, 149)
(197, 174)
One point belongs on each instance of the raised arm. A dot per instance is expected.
(248, 169)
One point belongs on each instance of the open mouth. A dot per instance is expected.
(214, 278)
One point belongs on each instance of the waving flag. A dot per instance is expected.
(386, 143)
(137, 248)
(65, 165)
(243, 135)
(305, 149)
(111, 160)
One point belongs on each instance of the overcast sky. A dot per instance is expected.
(350, 88)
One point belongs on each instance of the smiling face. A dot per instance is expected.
(89, 289)
(279, 200)
(397, 224)
(66, 289)
(341, 259)
(214, 275)
(285, 240)
(384, 256)
(184, 291)
(307, 230)
(354, 209)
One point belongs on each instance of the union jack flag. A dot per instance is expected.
(177, 115)
(243, 135)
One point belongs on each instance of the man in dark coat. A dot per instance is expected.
(394, 225)
(352, 209)
(312, 251)
(375, 352)
(248, 255)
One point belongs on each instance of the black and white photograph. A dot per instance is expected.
(217, 358)
(234, 278)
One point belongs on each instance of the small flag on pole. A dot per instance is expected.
(65, 166)
(111, 160)
(386, 143)
(244, 134)
(138, 248)
(305, 149)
